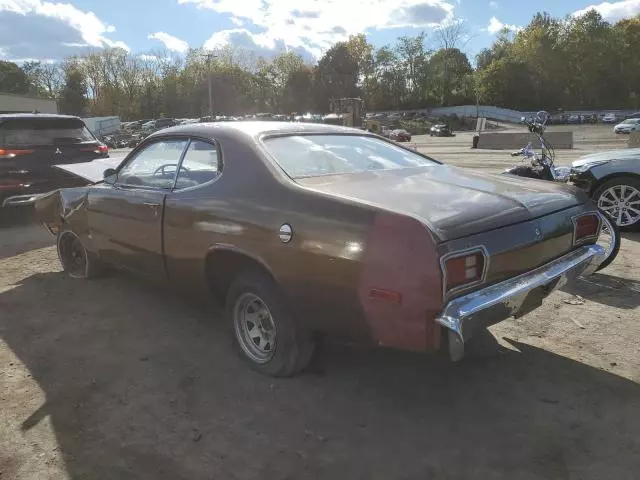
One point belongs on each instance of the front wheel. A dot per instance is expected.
(609, 239)
(619, 199)
(265, 333)
(76, 260)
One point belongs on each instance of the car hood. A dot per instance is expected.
(92, 171)
(622, 154)
(452, 202)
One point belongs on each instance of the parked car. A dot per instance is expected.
(440, 130)
(627, 126)
(575, 119)
(613, 180)
(610, 118)
(400, 135)
(164, 123)
(30, 144)
(309, 229)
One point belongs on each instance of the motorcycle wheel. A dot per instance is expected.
(609, 239)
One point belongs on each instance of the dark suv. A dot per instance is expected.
(31, 144)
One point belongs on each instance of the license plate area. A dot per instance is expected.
(535, 297)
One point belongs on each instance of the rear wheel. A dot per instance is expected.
(264, 332)
(76, 260)
(619, 199)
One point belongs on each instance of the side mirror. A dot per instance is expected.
(109, 176)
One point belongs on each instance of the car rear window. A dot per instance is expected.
(317, 155)
(45, 131)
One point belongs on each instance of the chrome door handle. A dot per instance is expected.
(151, 204)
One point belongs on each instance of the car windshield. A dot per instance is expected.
(317, 155)
(632, 121)
(44, 131)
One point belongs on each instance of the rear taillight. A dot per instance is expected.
(8, 154)
(586, 228)
(463, 269)
(99, 149)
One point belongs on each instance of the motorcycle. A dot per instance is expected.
(541, 167)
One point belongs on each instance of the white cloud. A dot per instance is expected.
(315, 26)
(257, 44)
(42, 29)
(172, 43)
(148, 57)
(613, 11)
(493, 5)
(496, 26)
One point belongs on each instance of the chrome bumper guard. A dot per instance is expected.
(20, 200)
(513, 297)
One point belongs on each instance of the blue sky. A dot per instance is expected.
(47, 30)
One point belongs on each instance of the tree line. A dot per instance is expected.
(571, 63)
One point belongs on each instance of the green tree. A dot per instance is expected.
(448, 70)
(299, 91)
(73, 100)
(13, 79)
(336, 76)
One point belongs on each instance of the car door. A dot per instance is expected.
(188, 227)
(125, 214)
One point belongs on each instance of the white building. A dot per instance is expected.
(10, 103)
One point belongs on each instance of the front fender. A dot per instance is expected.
(63, 207)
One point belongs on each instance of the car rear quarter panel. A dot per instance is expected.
(340, 250)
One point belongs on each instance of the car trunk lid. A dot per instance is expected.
(453, 202)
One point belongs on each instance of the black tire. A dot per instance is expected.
(292, 346)
(615, 241)
(77, 262)
(627, 181)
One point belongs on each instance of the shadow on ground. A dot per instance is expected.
(607, 289)
(19, 233)
(140, 384)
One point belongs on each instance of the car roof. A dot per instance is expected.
(6, 116)
(254, 129)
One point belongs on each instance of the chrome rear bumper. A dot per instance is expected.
(513, 297)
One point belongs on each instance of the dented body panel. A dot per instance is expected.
(352, 235)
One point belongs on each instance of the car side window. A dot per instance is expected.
(200, 165)
(154, 166)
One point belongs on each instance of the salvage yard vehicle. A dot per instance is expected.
(440, 130)
(627, 126)
(31, 144)
(400, 135)
(612, 179)
(542, 167)
(306, 229)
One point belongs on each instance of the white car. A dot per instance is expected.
(628, 126)
(610, 118)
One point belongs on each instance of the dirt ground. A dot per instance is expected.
(117, 379)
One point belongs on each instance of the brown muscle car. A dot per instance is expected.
(308, 229)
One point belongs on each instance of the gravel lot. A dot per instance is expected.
(117, 379)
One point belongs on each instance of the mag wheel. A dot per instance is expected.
(619, 199)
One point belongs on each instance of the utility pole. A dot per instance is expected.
(209, 57)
